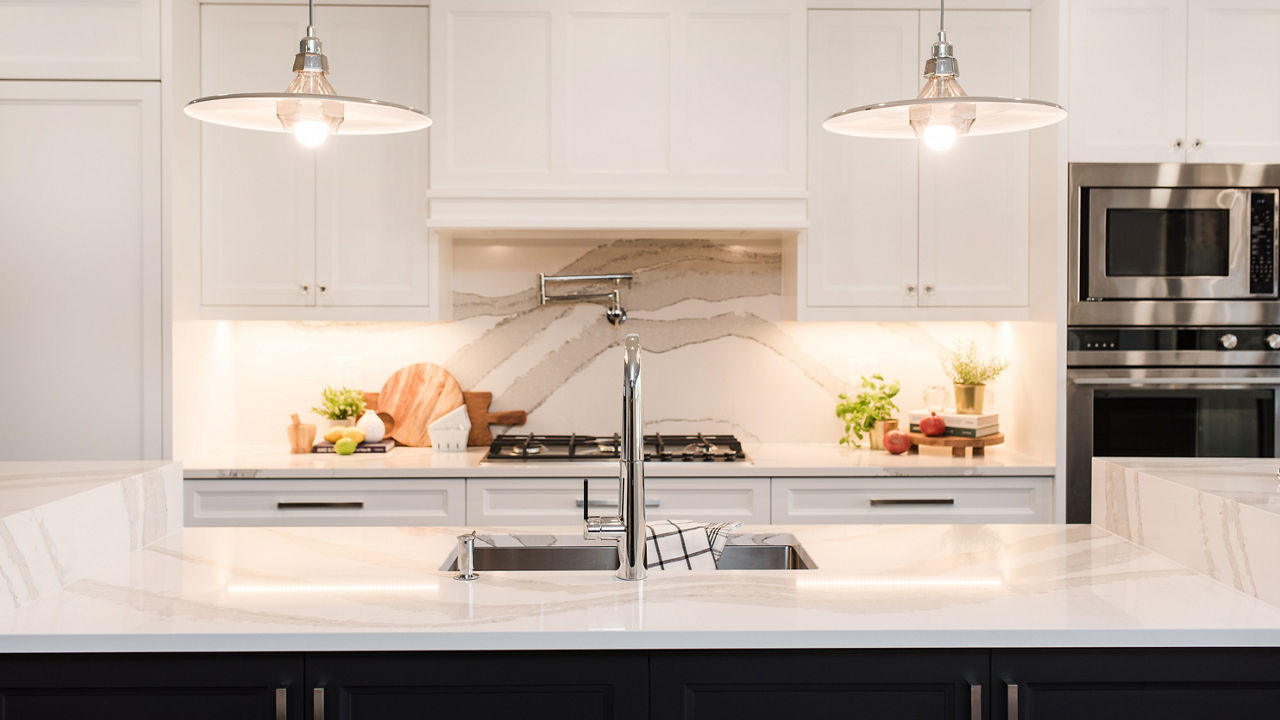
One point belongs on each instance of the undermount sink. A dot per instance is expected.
(515, 557)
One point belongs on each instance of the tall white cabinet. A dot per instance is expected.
(80, 234)
(1173, 81)
(893, 224)
(343, 225)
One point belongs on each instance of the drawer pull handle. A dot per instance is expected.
(612, 504)
(878, 502)
(975, 702)
(317, 704)
(1013, 701)
(357, 505)
(282, 703)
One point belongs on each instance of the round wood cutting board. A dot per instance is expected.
(416, 396)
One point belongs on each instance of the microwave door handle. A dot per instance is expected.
(1224, 382)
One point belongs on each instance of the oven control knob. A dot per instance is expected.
(1273, 341)
(1228, 341)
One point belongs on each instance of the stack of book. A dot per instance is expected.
(969, 426)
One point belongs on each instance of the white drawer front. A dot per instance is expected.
(558, 502)
(324, 502)
(912, 500)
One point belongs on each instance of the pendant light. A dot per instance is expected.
(943, 111)
(309, 108)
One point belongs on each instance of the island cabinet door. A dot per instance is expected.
(151, 686)
(904, 685)
(478, 685)
(1122, 684)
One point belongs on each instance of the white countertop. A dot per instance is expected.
(763, 460)
(907, 586)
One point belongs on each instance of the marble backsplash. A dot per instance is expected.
(719, 355)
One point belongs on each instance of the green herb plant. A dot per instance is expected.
(341, 404)
(966, 367)
(860, 414)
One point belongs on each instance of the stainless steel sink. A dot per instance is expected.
(605, 558)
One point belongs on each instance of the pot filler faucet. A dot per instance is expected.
(628, 527)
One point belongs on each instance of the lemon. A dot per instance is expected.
(353, 433)
(334, 434)
(344, 446)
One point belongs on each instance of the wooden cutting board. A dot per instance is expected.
(416, 396)
(957, 444)
(482, 418)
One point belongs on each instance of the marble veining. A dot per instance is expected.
(60, 521)
(875, 586)
(1219, 517)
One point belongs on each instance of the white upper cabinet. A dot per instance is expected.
(1233, 108)
(343, 225)
(575, 113)
(1173, 81)
(80, 40)
(861, 245)
(973, 197)
(898, 231)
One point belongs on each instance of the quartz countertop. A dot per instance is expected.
(763, 459)
(905, 586)
(1218, 516)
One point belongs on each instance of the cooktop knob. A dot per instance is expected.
(1273, 341)
(1229, 341)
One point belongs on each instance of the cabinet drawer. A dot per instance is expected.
(78, 40)
(912, 500)
(324, 502)
(559, 501)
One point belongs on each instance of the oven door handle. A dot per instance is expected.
(1224, 382)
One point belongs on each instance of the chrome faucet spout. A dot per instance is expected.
(628, 528)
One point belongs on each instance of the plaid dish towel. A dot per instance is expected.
(683, 544)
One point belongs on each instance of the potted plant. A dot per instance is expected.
(342, 407)
(871, 411)
(971, 373)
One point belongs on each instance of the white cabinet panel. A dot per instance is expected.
(558, 502)
(973, 196)
(1128, 80)
(372, 245)
(79, 40)
(913, 500)
(1233, 106)
(324, 502)
(861, 242)
(80, 236)
(257, 188)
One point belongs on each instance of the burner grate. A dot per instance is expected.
(657, 447)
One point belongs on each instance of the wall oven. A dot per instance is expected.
(1168, 392)
(1173, 244)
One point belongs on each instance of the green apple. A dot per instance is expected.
(345, 446)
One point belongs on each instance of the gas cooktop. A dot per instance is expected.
(657, 448)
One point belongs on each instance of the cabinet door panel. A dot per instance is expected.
(1174, 684)
(1232, 110)
(80, 236)
(78, 40)
(973, 196)
(257, 188)
(371, 207)
(482, 686)
(1128, 96)
(151, 687)
(923, 685)
(861, 243)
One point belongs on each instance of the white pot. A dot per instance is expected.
(373, 427)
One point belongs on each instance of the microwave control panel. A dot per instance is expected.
(1262, 242)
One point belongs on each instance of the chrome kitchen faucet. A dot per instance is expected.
(628, 527)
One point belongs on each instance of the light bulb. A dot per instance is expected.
(939, 136)
(311, 133)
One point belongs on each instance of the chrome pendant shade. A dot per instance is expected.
(309, 108)
(943, 111)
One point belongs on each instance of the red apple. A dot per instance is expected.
(897, 442)
(933, 425)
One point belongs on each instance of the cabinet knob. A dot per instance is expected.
(1197, 144)
(928, 289)
(1177, 144)
(304, 289)
(324, 289)
(911, 289)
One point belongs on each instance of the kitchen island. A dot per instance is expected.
(925, 621)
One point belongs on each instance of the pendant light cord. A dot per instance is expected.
(942, 17)
(311, 13)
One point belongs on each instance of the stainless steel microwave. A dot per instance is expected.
(1173, 244)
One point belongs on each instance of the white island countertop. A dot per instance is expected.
(906, 586)
(762, 460)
